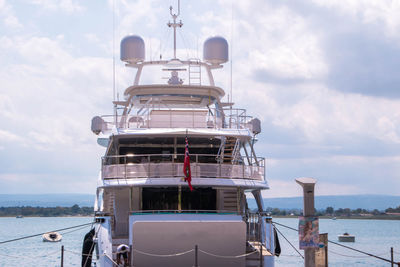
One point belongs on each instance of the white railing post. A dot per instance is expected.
(125, 167)
(148, 166)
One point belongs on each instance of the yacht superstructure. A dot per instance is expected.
(143, 200)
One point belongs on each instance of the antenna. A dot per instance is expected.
(175, 24)
(113, 50)
(231, 50)
(113, 53)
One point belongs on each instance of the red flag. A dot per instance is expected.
(186, 166)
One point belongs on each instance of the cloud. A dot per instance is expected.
(8, 16)
(69, 6)
(321, 75)
(6, 137)
(45, 182)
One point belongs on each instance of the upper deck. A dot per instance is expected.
(144, 135)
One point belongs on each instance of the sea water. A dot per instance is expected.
(373, 236)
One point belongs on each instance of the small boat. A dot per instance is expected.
(334, 218)
(346, 237)
(52, 237)
(19, 217)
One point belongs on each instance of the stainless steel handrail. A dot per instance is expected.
(233, 118)
(171, 165)
(217, 212)
(192, 156)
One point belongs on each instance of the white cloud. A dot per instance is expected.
(8, 16)
(49, 92)
(69, 6)
(11, 183)
(321, 188)
(6, 136)
(55, 92)
(131, 14)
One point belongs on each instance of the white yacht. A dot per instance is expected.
(143, 200)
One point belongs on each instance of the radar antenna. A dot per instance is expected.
(175, 24)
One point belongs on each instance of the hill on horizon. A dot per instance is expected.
(369, 202)
(46, 200)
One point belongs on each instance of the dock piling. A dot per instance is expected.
(62, 256)
(308, 185)
(391, 255)
(196, 252)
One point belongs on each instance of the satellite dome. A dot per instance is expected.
(215, 50)
(132, 49)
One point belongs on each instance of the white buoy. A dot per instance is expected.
(51, 237)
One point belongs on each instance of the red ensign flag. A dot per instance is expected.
(186, 166)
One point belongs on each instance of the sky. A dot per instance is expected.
(322, 76)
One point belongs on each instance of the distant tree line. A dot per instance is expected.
(74, 210)
(330, 211)
(393, 210)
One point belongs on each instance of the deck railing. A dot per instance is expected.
(171, 165)
(206, 212)
(180, 118)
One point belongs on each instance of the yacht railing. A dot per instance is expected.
(254, 227)
(217, 212)
(171, 165)
(180, 118)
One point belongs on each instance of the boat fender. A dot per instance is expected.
(87, 249)
(277, 244)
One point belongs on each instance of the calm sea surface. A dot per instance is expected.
(373, 236)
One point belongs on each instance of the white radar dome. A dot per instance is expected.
(215, 50)
(132, 49)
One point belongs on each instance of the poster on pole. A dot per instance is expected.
(308, 232)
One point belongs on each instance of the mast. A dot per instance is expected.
(175, 24)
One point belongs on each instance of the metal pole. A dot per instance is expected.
(179, 198)
(259, 239)
(62, 256)
(391, 255)
(196, 260)
(308, 185)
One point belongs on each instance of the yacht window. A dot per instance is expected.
(199, 199)
(139, 150)
(160, 198)
(167, 199)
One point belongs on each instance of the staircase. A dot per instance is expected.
(229, 150)
(194, 72)
(230, 200)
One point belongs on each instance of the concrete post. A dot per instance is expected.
(308, 185)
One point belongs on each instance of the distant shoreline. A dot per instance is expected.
(378, 217)
(374, 217)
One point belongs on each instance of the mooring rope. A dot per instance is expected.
(227, 257)
(105, 255)
(298, 252)
(30, 257)
(341, 245)
(29, 236)
(83, 227)
(352, 256)
(283, 255)
(163, 255)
